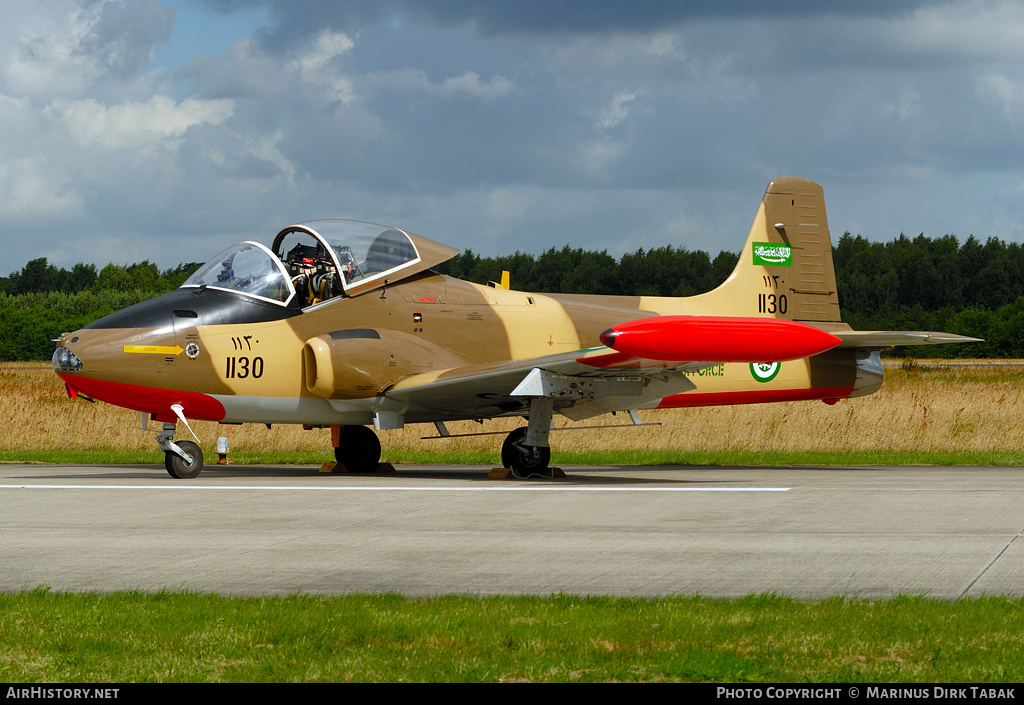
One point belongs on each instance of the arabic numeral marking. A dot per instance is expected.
(242, 367)
(770, 303)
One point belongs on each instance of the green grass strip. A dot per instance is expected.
(146, 637)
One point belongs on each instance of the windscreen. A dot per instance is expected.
(246, 268)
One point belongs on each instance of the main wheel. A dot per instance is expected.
(178, 468)
(522, 459)
(358, 449)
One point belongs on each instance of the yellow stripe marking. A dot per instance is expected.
(154, 349)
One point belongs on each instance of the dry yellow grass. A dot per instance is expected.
(927, 407)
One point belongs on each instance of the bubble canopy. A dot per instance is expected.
(312, 262)
(362, 253)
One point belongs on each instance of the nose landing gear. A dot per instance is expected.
(183, 460)
(180, 467)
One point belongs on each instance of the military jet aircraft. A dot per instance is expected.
(344, 324)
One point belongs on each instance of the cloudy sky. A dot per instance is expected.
(168, 129)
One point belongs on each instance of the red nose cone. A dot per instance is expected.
(718, 339)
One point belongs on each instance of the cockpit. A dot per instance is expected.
(313, 262)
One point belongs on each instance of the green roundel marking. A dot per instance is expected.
(765, 371)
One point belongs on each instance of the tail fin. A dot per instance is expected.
(785, 269)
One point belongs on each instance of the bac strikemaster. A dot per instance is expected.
(344, 324)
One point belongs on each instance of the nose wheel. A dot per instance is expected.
(183, 459)
(184, 468)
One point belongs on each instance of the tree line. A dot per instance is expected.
(973, 288)
(42, 301)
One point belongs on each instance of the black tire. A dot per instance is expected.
(176, 465)
(358, 449)
(524, 460)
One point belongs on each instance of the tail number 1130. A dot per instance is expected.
(770, 303)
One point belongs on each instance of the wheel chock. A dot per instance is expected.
(506, 474)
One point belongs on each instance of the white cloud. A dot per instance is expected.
(619, 110)
(138, 126)
(906, 107)
(316, 65)
(34, 188)
(975, 29)
(265, 148)
(327, 46)
(1006, 93)
(470, 84)
(63, 48)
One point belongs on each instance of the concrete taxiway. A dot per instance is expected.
(807, 532)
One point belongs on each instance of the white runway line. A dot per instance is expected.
(385, 488)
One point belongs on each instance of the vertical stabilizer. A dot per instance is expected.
(785, 269)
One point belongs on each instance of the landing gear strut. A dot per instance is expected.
(358, 449)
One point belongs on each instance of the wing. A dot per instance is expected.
(582, 384)
(641, 361)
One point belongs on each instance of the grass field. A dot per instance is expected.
(924, 414)
(166, 637)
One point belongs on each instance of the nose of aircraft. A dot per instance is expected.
(118, 346)
(126, 347)
(132, 358)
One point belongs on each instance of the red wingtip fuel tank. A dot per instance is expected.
(718, 339)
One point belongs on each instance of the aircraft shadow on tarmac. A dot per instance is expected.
(592, 476)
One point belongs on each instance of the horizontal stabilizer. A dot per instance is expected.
(878, 339)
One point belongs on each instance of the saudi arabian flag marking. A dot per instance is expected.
(773, 254)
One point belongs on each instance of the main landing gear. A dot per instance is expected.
(526, 451)
(523, 459)
(356, 447)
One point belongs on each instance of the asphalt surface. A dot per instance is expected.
(807, 532)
